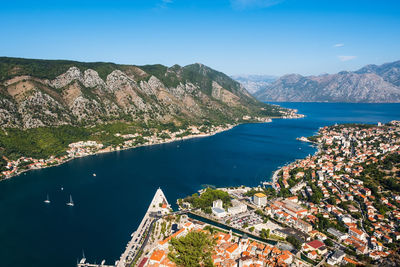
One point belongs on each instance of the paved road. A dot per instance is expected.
(135, 243)
(148, 234)
(322, 261)
(362, 214)
(338, 188)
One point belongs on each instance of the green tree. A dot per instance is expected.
(205, 200)
(328, 242)
(209, 228)
(265, 233)
(194, 249)
(292, 240)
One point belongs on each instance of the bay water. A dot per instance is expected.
(109, 206)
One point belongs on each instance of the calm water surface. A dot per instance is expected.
(110, 206)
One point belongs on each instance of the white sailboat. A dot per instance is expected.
(71, 202)
(47, 199)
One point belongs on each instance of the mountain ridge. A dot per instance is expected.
(370, 84)
(254, 82)
(45, 105)
(112, 91)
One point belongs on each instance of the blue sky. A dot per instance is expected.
(273, 37)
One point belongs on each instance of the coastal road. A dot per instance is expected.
(148, 234)
(135, 244)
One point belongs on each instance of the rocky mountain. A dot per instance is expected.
(254, 83)
(38, 93)
(390, 72)
(371, 84)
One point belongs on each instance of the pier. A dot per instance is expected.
(158, 208)
(83, 263)
(275, 179)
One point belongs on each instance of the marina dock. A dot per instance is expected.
(83, 263)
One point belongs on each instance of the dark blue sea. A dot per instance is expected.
(109, 207)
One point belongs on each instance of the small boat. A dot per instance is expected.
(62, 188)
(94, 174)
(47, 199)
(71, 202)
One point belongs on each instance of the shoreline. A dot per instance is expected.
(274, 178)
(200, 135)
(18, 173)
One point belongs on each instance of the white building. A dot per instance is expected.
(218, 204)
(321, 175)
(339, 235)
(237, 208)
(218, 209)
(260, 199)
(336, 258)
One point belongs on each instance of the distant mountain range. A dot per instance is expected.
(36, 93)
(370, 84)
(254, 83)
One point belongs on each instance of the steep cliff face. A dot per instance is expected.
(373, 84)
(36, 93)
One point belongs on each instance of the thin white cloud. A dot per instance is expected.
(164, 3)
(246, 4)
(338, 45)
(346, 58)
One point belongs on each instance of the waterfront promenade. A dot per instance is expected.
(158, 207)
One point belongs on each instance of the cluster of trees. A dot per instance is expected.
(391, 184)
(269, 191)
(43, 142)
(323, 224)
(328, 242)
(205, 200)
(292, 181)
(314, 138)
(3, 162)
(194, 249)
(264, 234)
(390, 160)
(317, 194)
(373, 176)
(284, 192)
(40, 142)
(164, 136)
(294, 241)
(252, 192)
(49, 69)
